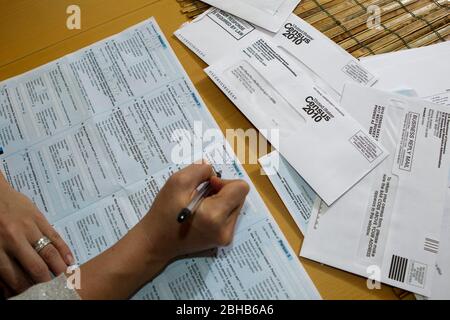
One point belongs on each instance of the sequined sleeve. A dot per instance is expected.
(53, 290)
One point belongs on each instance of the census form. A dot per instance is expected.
(88, 138)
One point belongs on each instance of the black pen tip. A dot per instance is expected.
(183, 215)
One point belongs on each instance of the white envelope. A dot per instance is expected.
(428, 79)
(326, 146)
(216, 33)
(296, 194)
(441, 281)
(268, 14)
(389, 224)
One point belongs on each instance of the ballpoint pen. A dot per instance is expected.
(201, 194)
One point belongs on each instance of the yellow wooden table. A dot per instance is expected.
(34, 32)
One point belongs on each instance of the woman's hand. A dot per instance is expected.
(21, 226)
(160, 238)
(212, 224)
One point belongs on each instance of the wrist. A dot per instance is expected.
(152, 249)
(4, 184)
(146, 252)
(122, 270)
(133, 259)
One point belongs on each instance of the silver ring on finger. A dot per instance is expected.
(41, 244)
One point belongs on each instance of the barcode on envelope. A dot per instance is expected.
(431, 245)
(397, 271)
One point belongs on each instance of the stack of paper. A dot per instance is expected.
(422, 72)
(392, 219)
(278, 82)
(382, 219)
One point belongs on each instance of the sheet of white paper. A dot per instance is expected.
(424, 70)
(390, 59)
(391, 220)
(88, 138)
(268, 14)
(296, 194)
(215, 34)
(324, 144)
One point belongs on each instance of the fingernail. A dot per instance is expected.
(69, 259)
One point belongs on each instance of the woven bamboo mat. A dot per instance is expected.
(353, 23)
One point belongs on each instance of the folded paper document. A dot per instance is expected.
(328, 148)
(389, 224)
(268, 14)
(216, 34)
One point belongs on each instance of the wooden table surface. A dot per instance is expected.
(34, 32)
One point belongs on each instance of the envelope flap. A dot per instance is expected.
(213, 33)
(322, 55)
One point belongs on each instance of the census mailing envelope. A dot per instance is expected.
(268, 14)
(216, 33)
(327, 147)
(296, 194)
(390, 222)
(441, 279)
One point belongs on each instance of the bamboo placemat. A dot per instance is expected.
(350, 23)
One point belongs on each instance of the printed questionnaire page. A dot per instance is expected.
(89, 137)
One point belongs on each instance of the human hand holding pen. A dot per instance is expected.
(197, 199)
(216, 210)
(159, 238)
